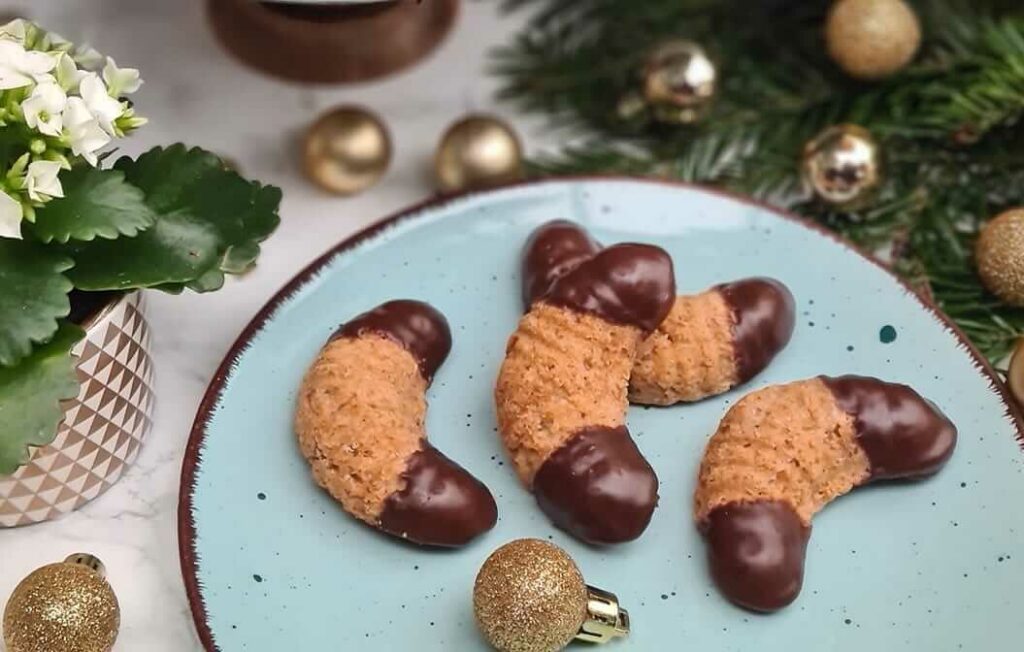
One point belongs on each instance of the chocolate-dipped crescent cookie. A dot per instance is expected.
(561, 392)
(709, 342)
(713, 341)
(782, 453)
(360, 424)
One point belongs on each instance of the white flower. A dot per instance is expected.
(13, 31)
(19, 67)
(68, 74)
(87, 57)
(42, 182)
(120, 81)
(43, 108)
(103, 107)
(10, 216)
(83, 130)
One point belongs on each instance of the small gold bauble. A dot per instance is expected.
(65, 607)
(871, 39)
(346, 150)
(478, 151)
(529, 596)
(678, 81)
(1015, 375)
(1000, 257)
(842, 164)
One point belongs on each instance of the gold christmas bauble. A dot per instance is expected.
(529, 596)
(65, 607)
(842, 165)
(346, 150)
(871, 39)
(678, 81)
(1000, 256)
(1015, 375)
(478, 151)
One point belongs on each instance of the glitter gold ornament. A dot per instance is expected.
(478, 151)
(65, 607)
(842, 165)
(529, 596)
(346, 150)
(1000, 256)
(871, 39)
(1015, 375)
(678, 81)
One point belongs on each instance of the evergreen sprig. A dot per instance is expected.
(949, 124)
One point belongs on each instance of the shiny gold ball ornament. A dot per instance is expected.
(346, 150)
(872, 39)
(1000, 256)
(478, 151)
(65, 607)
(678, 81)
(529, 596)
(842, 165)
(1015, 374)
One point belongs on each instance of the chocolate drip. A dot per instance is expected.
(764, 315)
(902, 434)
(552, 250)
(441, 504)
(631, 284)
(416, 326)
(756, 552)
(598, 486)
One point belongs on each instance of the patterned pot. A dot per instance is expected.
(103, 427)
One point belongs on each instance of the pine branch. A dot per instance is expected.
(950, 124)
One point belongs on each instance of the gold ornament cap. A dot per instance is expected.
(530, 596)
(842, 165)
(346, 150)
(478, 151)
(63, 607)
(1000, 257)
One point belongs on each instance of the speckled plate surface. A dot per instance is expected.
(271, 563)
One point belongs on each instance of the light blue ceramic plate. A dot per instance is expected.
(272, 563)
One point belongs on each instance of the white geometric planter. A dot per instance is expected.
(103, 427)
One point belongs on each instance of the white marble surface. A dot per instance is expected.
(195, 93)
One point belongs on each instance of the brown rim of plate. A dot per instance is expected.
(186, 524)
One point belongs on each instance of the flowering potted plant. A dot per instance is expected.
(78, 237)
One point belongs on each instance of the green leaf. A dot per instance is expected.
(209, 221)
(33, 295)
(30, 396)
(96, 203)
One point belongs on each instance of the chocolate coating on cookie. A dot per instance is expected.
(902, 434)
(598, 486)
(756, 552)
(764, 317)
(629, 284)
(420, 328)
(552, 250)
(441, 503)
